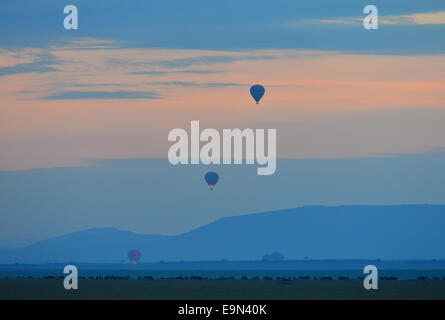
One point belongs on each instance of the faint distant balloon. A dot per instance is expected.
(257, 92)
(134, 256)
(211, 179)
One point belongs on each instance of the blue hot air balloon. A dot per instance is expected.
(257, 92)
(211, 179)
(134, 256)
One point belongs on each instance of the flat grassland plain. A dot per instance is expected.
(174, 289)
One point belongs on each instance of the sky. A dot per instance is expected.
(135, 70)
(150, 196)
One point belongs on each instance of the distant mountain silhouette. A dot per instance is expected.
(317, 232)
(92, 245)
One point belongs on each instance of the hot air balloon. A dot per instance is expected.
(257, 92)
(211, 179)
(134, 256)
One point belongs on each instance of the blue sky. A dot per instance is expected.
(151, 196)
(338, 95)
(227, 25)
